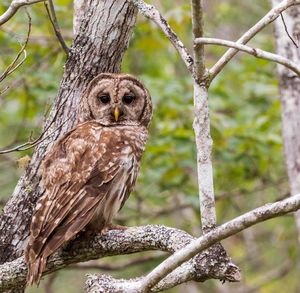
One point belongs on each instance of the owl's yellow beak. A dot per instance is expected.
(117, 114)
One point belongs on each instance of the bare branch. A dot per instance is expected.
(149, 11)
(13, 8)
(197, 24)
(41, 138)
(247, 36)
(258, 53)
(201, 126)
(13, 66)
(213, 263)
(52, 16)
(94, 264)
(154, 281)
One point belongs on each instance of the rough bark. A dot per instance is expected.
(159, 278)
(289, 88)
(98, 46)
(212, 263)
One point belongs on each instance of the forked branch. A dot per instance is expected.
(13, 8)
(247, 36)
(149, 11)
(153, 282)
(214, 263)
(258, 53)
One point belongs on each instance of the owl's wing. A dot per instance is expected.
(76, 186)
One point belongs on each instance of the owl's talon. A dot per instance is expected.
(117, 227)
(109, 227)
(103, 231)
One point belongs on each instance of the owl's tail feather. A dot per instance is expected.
(35, 271)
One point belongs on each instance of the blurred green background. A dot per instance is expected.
(249, 167)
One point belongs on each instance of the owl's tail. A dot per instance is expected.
(35, 270)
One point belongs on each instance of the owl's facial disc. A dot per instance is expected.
(117, 102)
(116, 99)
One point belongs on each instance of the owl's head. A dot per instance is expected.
(116, 99)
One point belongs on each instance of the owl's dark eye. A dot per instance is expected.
(128, 99)
(105, 99)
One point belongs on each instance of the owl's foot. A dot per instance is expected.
(109, 227)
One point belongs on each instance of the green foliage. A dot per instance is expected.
(249, 168)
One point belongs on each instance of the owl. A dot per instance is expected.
(89, 173)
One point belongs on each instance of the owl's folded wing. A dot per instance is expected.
(76, 187)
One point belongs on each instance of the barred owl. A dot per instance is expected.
(89, 173)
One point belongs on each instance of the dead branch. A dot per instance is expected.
(149, 11)
(258, 53)
(247, 36)
(213, 263)
(53, 19)
(13, 8)
(287, 31)
(14, 65)
(94, 264)
(154, 281)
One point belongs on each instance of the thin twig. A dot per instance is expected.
(40, 64)
(53, 19)
(258, 53)
(13, 8)
(40, 139)
(49, 283)
(31, 144)
(13, 66)
(149, 11)
(94, 264)
(247, 36)
(286, 30)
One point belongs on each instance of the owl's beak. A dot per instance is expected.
(117, 114)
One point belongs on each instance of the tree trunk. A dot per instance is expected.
(102, 34)
(290, 96)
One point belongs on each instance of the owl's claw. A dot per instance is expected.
(109, 227)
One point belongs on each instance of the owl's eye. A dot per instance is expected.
(128, 99)
(105, 99)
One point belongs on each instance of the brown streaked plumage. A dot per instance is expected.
(89, 173)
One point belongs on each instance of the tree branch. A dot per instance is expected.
(13, 66)
(201, 126)
(213, 263)
(258, 53)
(52, 16)
(287, 31)
(150, 281)
(149, 11)
(95, 265)
(247, 36)
(197, 24)
(13, 8)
